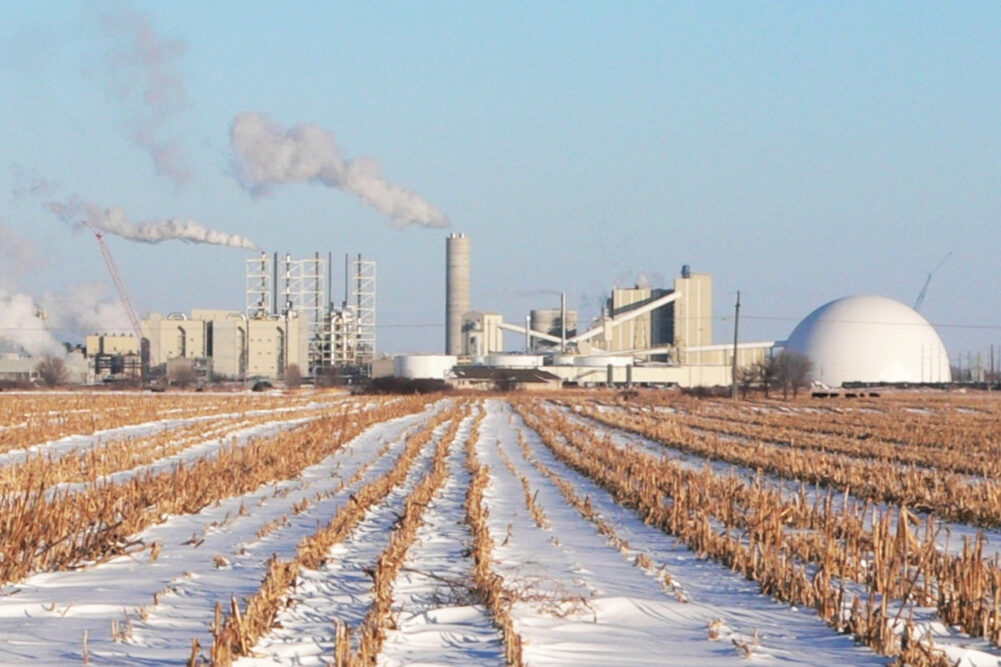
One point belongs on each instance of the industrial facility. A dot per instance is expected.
(645, 335)
(663, 336)
(290, 319)
(870, 339)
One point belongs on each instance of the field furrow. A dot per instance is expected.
(581, 528)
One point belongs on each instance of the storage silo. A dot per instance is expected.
(456, 290)
(547, 321)
(870, 339)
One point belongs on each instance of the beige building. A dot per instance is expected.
(670, 329)
(113, 344)
(651, 329)
(175, 335)
(275, 343)
(238, 347)
(481, 334)
(692, 314)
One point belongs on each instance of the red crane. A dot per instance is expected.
(123, 294)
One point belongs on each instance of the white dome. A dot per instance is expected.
(870, 339)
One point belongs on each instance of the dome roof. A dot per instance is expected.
(870, 339)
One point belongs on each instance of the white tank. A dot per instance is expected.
(423, 366)
(513, 360)
(564, 359)
(870, 339)
(602, 361)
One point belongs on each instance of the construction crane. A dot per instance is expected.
(924, 289)
(123, 294)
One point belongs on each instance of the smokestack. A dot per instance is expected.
(456, 290)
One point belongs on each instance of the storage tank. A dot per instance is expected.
(602, 361)
(513, 360)
(423, 366)
(547, 320)
(870, 339)
(456, 290)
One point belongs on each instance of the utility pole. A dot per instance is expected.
(733, 370)
(991, 382)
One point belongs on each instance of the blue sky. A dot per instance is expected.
(799, 152)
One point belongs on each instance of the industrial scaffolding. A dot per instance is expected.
(304, 293)
(344, 337)
(260, 287)
(353, 326)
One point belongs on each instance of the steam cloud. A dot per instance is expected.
(84, 309)
(268, 155)
(29, 184)
(115, 221)
(17, 253)
(144, 66)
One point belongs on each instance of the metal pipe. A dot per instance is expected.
(563, 322)
(626, 317)
(528, 331)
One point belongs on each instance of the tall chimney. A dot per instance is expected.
(456, 290)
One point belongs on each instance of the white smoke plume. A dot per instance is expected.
(22, 328)
(114, 220)
(38, 325)
(82, 310)
(29, 184)
(17, 253)
(648, 279)
(143, 66)
(267, 154)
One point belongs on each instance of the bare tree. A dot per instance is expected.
(792, 372)
(766, 370)
(181, 372)
(293, 376)
(52, 371)
(748, 377)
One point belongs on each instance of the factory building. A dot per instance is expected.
(645, 334)
(289, 320)
(224, 344)
(481, 334)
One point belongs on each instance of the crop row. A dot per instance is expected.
(964, 588)
(241, 630)
(667, 496)
(28, 419)
(52, 531)
(960, 447)
(948, 495)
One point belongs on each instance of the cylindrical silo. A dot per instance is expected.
(456, 290)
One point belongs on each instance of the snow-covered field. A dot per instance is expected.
(558, 569)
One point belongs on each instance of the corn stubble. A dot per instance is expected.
(865, 570)
(240, 630)
(771, 539)
(45, 530)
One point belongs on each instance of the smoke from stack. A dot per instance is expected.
(37, 325)
(267, 155)
(142, 64)
(115, 221)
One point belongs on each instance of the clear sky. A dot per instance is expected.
(797, 151)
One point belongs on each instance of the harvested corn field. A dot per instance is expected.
(592, 528)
